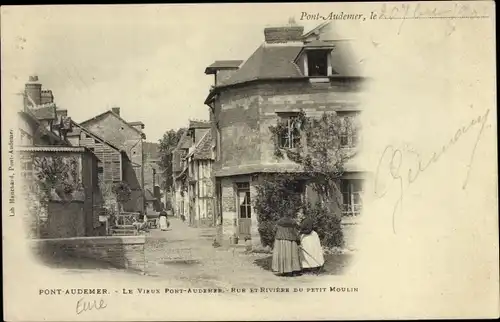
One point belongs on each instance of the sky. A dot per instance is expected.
(147, 60)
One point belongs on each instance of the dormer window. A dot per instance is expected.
(318, 62)
(315, 60)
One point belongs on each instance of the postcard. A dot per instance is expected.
(230, 162)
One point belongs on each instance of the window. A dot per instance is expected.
(100, 169)
(244, 200)
(92, 149)
(289, 138)
(317, 63)
(352, 190)
(349, 136)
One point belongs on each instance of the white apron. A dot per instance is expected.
(311, 253)
(163, 223)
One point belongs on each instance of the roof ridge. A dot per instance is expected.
(118, 116)
(97, 136)
(197, 145)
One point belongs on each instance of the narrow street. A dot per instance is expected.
(186, 254)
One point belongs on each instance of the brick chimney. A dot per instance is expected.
(116, 110)
(283, 34)
(47, 97)
(33, 89)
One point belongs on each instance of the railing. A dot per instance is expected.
(126, 218)
(351, 210)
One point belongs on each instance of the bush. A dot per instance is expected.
(327, 225)
(276, 198)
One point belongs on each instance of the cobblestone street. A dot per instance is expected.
(186, 254)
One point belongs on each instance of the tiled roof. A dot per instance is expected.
(199, 124)
(267, 62)
(223, 64)
(278, 61)
(151, 150)
(77, 129)
(185, 141)
(112, 113)
(203, 150)
(44, 112)
(50, 148)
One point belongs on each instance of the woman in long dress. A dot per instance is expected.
(286, 260)
(163, 221)
(311, 252)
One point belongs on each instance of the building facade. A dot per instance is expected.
(290, 72)
(54, 210)
(153, 179)
(128, 138)
(193, 175)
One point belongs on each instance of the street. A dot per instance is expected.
(186, 254)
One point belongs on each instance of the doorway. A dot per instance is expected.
(244, 210)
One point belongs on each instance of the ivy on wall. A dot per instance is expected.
(57, 175)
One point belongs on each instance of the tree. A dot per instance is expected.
(168, 143)
(319, 149)
(320, 152)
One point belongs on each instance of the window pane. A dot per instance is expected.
(242, 212)
(345, 198)
(249, 211)
(344, 140)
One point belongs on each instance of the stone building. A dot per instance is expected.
(110, 157)
(68, 207)
(40, 122)
(179, 167)
(67, 212)
(289, 72)
(128, 138)
(192, 167)
(153, 179)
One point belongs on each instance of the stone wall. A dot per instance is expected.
(120, 251)
(65, 219)
(229, 215)
(244, 115)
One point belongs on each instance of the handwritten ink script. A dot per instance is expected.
(84, 305)
(405, 165)
(424, 11)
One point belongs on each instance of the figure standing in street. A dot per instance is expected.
(311, 252)
(286, 258)
(164, 224)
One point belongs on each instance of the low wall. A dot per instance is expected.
(119, 251)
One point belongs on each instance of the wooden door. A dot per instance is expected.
(244, 211)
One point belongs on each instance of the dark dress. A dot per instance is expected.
(286, 258)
